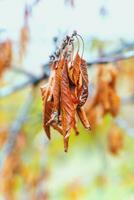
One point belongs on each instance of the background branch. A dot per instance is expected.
(125, 126)
(32, 80)
(15, 129)
(6, 91)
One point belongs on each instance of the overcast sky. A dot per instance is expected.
(51, 16)
(54, 17)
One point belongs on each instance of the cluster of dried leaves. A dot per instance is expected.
(5, 55)
(106, 99)
(66, 92)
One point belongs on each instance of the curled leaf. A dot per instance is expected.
(106, 99)
(84, 89)
(47, 110)
(82, 115)
(48, 107)
(84, 73)
(57, 91)
(74, 70)
(67, 106)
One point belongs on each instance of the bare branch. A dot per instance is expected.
(6, 91)
(32, 80)
(105, 60)
(22, 71)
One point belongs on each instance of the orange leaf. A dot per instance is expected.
(67, 106)
(66, 101)
(83, 118)
(74, 70)
(57, 90)
(47, 110)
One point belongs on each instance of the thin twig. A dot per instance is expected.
(22, 71)
(125, 46)
(105, 60)
(6, 91)
(32, 80)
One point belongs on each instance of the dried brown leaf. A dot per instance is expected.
(84, 73)
(57, 90)
(74, 70)
(47, 110)
(67, 106)
(82, 115)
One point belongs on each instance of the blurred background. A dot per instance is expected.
(100, 163)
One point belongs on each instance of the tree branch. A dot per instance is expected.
(6, 91)
(105, 60)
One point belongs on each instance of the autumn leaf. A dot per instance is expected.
(74, 70)
(47, 108)
(47, 105)
(67, 106)
(5, 55)
(84, 73)
(57, 91)
(106, 99)
(83, 118)
(82, 85)
(66, 101)
(75, 128)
